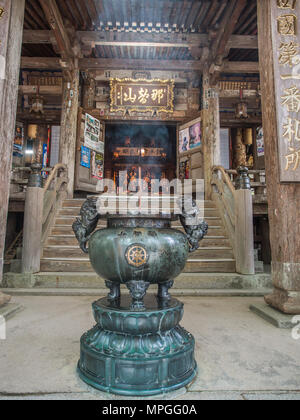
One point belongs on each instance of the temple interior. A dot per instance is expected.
(144, 151)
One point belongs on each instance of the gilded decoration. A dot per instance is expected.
(142, 95)
(136, 255)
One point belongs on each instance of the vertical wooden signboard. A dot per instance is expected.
(286, 50)
(4, 26)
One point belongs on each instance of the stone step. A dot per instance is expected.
(174, 292)
(77, 202)
(70, 240)
(67, 230)
(183, 281)
(57, 251)
(69, 220)
(82, 264)
(74, 211)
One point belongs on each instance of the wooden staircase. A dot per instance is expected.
(61, 252)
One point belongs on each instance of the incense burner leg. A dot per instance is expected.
(163, 290)
(114, 288)
(137, 289)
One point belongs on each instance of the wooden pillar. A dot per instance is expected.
(211, 131)
(11, 31)
(88, 94)
(67, 147)
(244, 232)
(32, 234)
(277, 62)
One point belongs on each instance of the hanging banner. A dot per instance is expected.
(93, 134)
(85, 159)
(97, 165)
(195, 135)
(18, 140)
(142, 95)
(184, 140)
(260, 146)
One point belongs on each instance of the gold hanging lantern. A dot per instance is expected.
(32, 131)
(248, 136)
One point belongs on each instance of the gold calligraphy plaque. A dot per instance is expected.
(142, 95)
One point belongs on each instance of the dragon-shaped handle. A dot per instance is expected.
(194, 228)
(84, 226)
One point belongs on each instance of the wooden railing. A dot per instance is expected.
(54, 193)
(257, 182)
(223, 194)
(235, 207)
(41, 205)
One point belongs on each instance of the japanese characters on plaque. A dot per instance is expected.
(142, 95)
(286, 48)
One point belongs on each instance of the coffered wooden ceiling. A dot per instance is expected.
(173, 20)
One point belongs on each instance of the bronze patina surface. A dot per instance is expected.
(137, 346)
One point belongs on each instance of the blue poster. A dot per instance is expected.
(85, 159)
(45, 159)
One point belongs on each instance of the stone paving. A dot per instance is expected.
(240, 356)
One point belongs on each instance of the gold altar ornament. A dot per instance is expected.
(142, 95)
(1, 12)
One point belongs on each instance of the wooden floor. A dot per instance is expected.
(62, 253)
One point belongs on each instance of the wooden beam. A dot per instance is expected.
(228, 119)
(37, 36)
(41, 63)
(53, 63)
(243, 42)
(138, 64)
(236, 93)
(50, 115)
(43, 90)
(143, 39)
(140, 39)
(55, 21)
(240, 67)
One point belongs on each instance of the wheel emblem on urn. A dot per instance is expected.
(136, 255)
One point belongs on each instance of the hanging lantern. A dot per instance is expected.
(248, 136)
(37, 105)
(241, 110)
(32, 131)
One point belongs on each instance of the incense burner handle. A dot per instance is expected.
(84, 226)
(195, 229)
